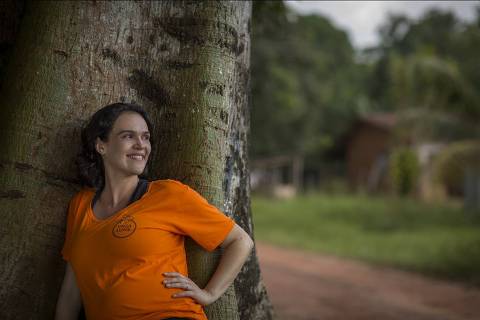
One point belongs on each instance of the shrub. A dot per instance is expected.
(404, 170)
(452, 163)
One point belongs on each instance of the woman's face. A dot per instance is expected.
(128, 147)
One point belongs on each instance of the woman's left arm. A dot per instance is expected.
(237, 246)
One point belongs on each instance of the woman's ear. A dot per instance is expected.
(99, 146)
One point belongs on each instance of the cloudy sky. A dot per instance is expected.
(362, 18)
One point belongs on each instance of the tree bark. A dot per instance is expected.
(10, 16)
(187, 63)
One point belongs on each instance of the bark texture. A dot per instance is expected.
(10, 16)
(187, 63)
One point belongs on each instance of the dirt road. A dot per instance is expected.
(305, 286)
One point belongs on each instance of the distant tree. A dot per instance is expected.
(429, 63)
(306, 84)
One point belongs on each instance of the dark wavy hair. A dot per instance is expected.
(89, 162)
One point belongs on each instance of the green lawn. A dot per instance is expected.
(439, 240)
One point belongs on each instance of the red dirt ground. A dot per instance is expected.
(306, 286)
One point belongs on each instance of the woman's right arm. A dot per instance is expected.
(69, 300)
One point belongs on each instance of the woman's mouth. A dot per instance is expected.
(136, 157)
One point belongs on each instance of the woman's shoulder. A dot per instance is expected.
(80, 197)
(177, 188)
(168, 183)
(85, 191)
(82, 193)
(161, 188)
(171, 187)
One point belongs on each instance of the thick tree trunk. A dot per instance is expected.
(10, 16)
(186, 63)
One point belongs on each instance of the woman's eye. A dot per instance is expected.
(129, 136)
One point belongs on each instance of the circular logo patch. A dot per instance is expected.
(125, 227)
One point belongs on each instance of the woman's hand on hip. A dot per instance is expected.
(190, 288)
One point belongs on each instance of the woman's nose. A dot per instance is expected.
(139, 142)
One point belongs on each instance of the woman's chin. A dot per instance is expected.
(137, 170)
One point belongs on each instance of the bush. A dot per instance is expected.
(452, 163)
(404, 170)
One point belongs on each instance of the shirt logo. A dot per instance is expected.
(125, 227)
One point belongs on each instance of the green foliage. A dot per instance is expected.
(425, 125)
(404, 170)
(452, 163)
(309, 84)
(434, 239)
(305, 82)
(429, 63)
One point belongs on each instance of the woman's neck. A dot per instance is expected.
(117, 190)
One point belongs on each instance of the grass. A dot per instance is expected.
(438, 240)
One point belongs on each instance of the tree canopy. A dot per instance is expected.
(306, 85)
(309, 83)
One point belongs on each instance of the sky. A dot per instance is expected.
(361, 19)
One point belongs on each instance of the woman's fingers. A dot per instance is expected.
(173, 274)
(181, 285)
(177, 280)
(174, 277)
(190, 289)
(170, 280)
(182, 294)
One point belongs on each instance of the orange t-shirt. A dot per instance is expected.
(119, 261)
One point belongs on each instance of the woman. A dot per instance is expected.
(124, 237)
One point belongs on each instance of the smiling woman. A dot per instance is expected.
(125, 124)
(124, 242)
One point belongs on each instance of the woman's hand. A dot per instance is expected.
(190, 288)
(236, 248)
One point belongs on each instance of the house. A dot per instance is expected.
(367, 151)
(369, 145)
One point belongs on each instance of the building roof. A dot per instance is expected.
(381, 120)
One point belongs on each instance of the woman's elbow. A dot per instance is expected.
(249, 243)
(238, 239)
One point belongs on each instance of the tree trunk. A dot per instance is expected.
(186, 63)
(10, 16)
